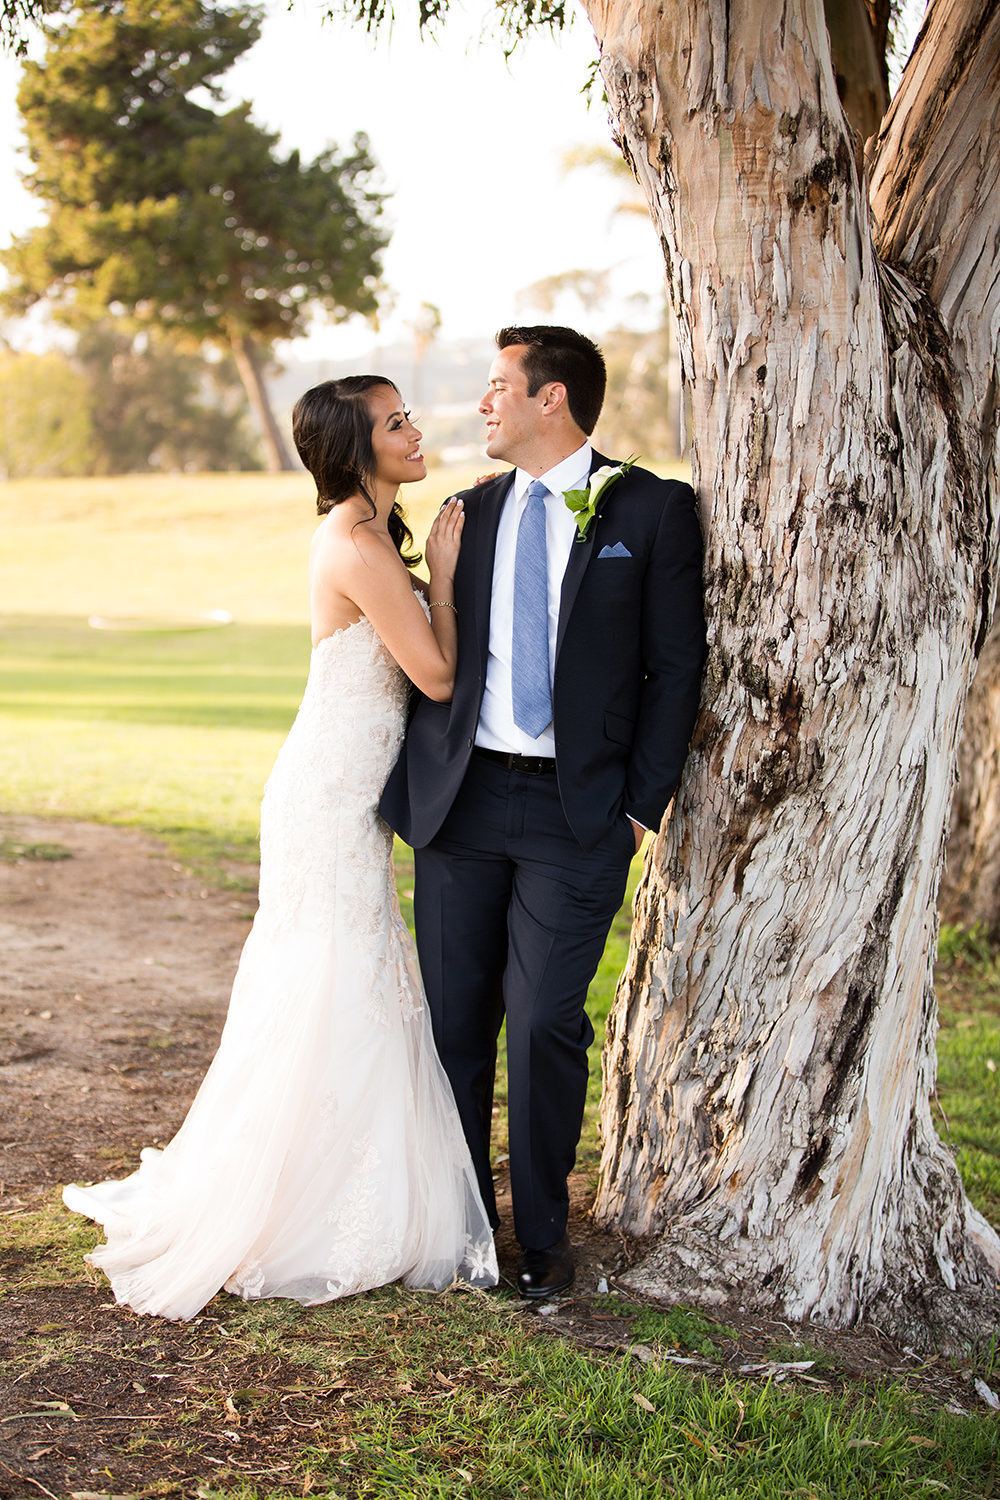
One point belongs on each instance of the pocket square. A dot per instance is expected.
(618, 550)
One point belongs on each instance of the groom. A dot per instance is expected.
(581, 643)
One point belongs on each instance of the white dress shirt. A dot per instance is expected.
(497, 730)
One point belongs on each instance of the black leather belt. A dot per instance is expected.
(526, 765)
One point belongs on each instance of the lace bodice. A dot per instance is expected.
(323, 844)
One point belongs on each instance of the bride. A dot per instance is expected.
(323, 1154)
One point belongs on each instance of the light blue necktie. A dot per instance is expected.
(531, 691)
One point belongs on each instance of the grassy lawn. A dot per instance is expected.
(173, 729)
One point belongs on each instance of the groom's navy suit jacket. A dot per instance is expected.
(627, 675)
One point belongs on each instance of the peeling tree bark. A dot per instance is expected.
(770, 1055)
(949, 248)
(970, 884)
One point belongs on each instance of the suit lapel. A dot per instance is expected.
(491, 499)
(579, 556)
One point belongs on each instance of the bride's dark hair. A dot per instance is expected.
(332, 428)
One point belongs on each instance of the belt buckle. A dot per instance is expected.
(530, 765)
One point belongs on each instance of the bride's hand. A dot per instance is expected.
(485, 478)
(445, 538)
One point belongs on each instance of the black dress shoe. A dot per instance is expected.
(546, 1273)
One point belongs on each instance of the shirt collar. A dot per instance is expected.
(570, 474)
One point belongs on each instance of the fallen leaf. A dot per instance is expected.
(640, 1400)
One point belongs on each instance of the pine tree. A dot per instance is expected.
(185, 218)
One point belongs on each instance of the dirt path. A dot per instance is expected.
(116, 971)
(115, 976)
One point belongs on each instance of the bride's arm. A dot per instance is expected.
(365, 567)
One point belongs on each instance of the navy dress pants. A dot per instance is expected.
(511, 920)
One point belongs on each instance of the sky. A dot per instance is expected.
(471, 149)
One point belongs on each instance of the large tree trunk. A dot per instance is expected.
(771, 1051)
(970, 885)
(859, 64)
(276, 454)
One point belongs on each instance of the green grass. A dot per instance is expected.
(11, 851)
(42, 1246)
(158, 545)
(401, 1394)
(172, 729)
(569, 1425)
(968, 1094)
(174, 732)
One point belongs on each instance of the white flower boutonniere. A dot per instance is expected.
(583, 503)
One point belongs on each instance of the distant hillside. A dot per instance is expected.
(443, 391)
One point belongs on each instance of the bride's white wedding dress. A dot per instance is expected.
(323, 1154)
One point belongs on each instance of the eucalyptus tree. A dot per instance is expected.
(772, 1051)
(184, 217)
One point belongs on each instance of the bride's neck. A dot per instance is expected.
(384, 496)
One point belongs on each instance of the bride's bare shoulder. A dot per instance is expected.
(338, 527)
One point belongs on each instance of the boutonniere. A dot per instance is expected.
(583, 503)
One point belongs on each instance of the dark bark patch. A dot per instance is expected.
(865, 987)
(921, 331)
(807, 1180)
(821, 186)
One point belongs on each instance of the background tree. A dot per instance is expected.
(771, 1052)
(46, 427)
(156, 407)
(188, 218)
(425, 326)
(16, 18)
(121, 404)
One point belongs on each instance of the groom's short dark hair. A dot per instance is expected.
(553, 353)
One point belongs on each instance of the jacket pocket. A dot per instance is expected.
(619, 728)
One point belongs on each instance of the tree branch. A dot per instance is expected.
(16, 16)
(936, 190)
(514, 18)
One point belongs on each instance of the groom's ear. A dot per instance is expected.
(553, 396)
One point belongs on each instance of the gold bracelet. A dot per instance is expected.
(441, 604)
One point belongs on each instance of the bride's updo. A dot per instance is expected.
(332, 429)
